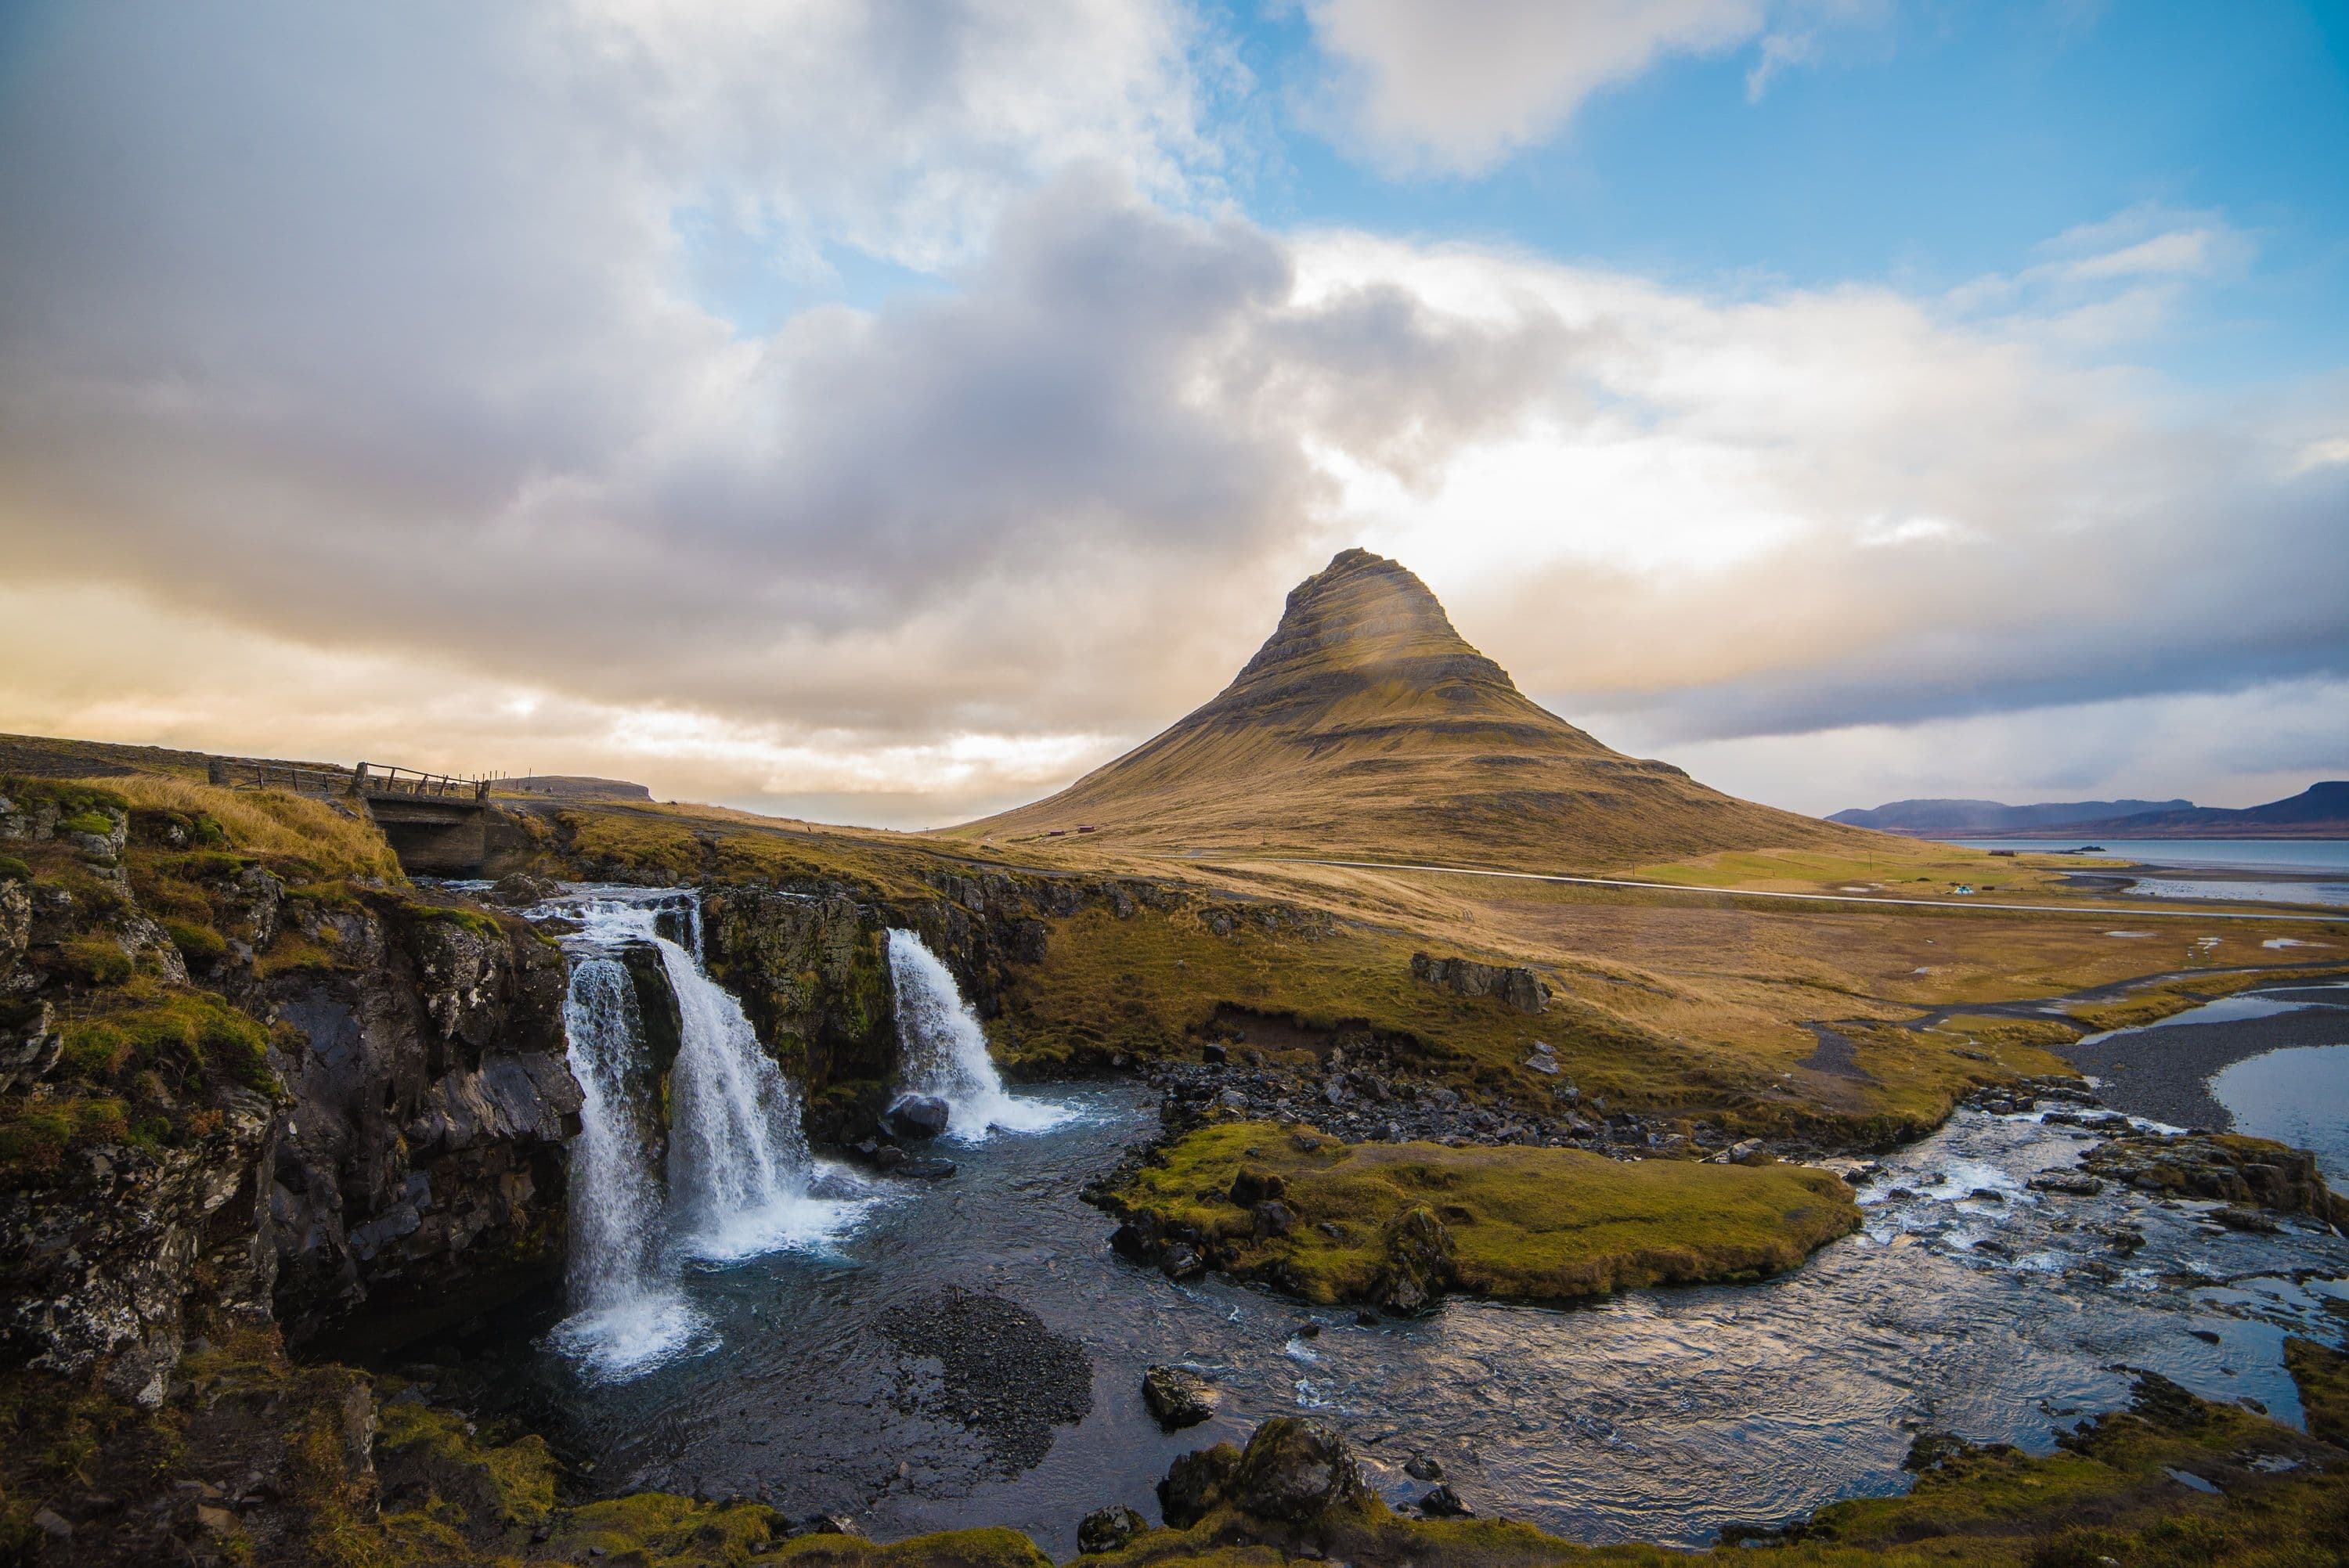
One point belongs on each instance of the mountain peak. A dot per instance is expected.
(1365, 725)
(1362, 619)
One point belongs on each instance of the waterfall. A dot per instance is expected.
(944, 1051)
(738, 1160)
(738, 1168)
(626, 1315)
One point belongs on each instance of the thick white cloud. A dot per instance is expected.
(1457, 87)
(360, 394)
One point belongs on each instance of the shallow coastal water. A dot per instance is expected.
(1661, 1414)
(2298, 1096)
(2306, 855)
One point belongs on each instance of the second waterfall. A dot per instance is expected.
(946, 1051)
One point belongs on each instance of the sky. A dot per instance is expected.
(886, 413)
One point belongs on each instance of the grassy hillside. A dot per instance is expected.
(1366, 728)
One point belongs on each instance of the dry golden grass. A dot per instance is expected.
(271, 822)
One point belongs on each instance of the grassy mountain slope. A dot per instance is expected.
(1366, 728)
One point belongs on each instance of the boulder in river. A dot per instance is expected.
(1109, 1529)
(1442, 1503)
(1181, 1260)
(919, 1116)
(1296, 1469)
(1177, 1397)
(519, 890)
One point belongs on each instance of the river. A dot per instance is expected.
(808, 1378)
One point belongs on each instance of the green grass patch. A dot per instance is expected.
(511, 1483)
(1523, 1223)
(658, 1527)
(36, 1135)
(94, 960)
(200, 945)
(181, 1037)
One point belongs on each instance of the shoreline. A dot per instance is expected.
(2163, 1071)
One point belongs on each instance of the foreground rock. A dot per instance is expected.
(237, 1084)
(1517, 987)
(1107, 1529)
(919, 1116)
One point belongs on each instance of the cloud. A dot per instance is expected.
(2238, 749)
(1457, 89)
(357, 395)
(1775, 515)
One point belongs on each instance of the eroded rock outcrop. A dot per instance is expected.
(812, 974)
(232, 1087)
(1517, 987)
(2251, 1173)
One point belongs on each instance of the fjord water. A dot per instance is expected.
(1970, 1302)
(2303, 855)
(945, 1051)
(2278, 871)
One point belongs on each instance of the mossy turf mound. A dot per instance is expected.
(1333, 1221)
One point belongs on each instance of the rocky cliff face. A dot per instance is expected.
(420, 1173)
(231, 1087)
(811, 971)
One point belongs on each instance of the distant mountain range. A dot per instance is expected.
(2319, 812)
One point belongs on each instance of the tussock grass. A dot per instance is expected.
(272, 823)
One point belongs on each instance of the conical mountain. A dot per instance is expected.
(1366, 728)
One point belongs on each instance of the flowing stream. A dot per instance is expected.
(738, 1316)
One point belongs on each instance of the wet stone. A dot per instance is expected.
(1177, 1397)
(1108, 1528)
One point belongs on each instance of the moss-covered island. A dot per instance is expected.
(1398, 1225)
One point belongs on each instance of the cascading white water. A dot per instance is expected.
(738, 1161)
(625, 1313)
(738, 1168)
(616, 1205)
(944, 1051)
